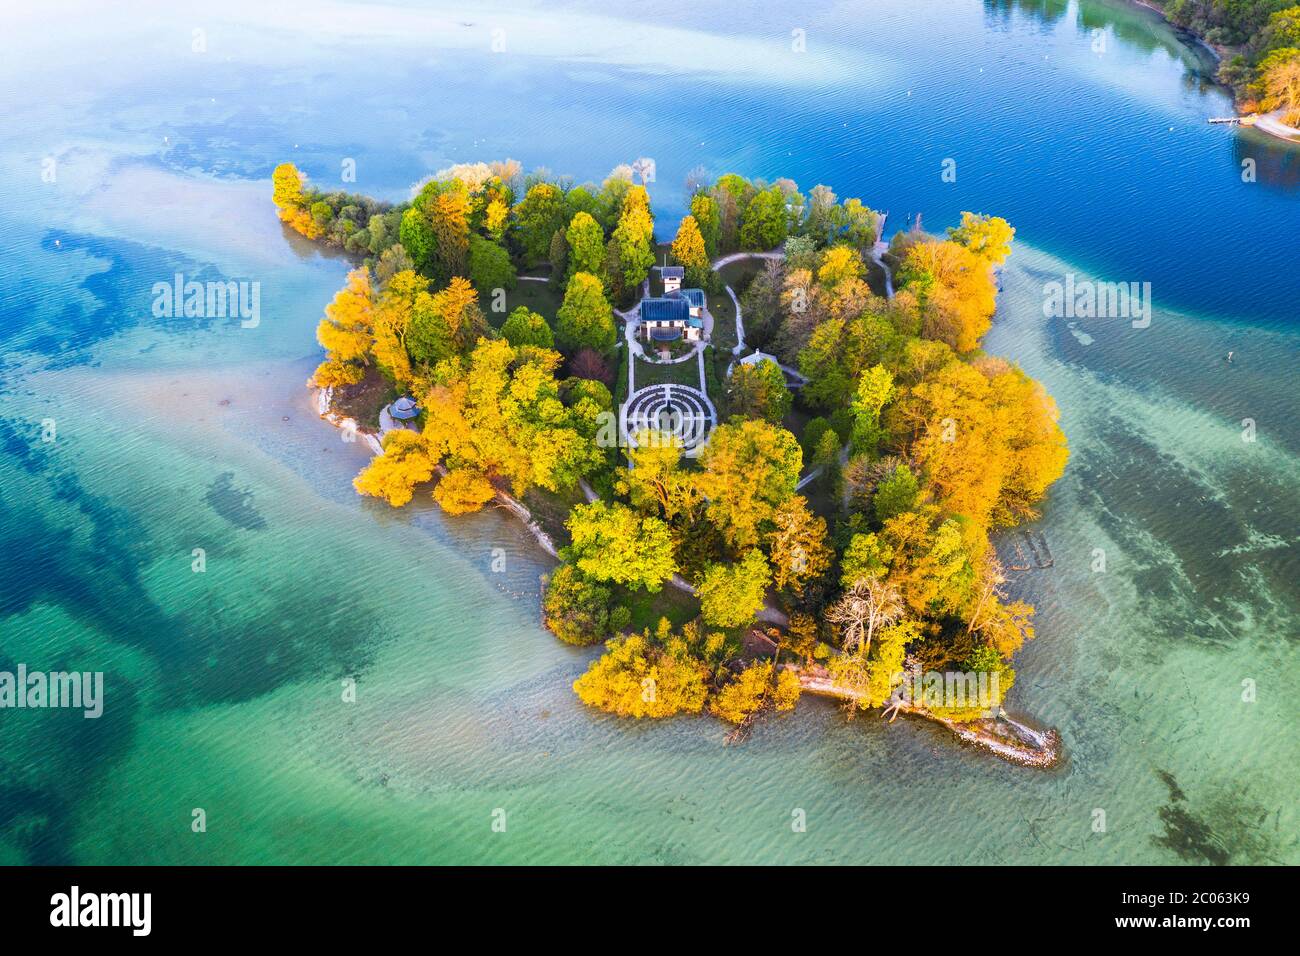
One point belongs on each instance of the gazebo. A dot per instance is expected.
(404, 409)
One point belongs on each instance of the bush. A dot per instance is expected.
(576, 609)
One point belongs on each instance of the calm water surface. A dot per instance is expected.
(1082, 122)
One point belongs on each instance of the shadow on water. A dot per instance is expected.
(234, 504)
(1229, 827)
(63, 329)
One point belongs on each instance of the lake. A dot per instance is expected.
(138, 147)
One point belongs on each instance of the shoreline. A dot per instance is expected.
(373, 440)
(1264, 122)
(1003, 737)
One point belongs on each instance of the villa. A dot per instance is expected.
(676, 314)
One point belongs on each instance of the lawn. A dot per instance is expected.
(538, 296)
(676, 605)
(678, 373)
(724, 321)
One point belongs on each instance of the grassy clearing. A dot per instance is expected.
(538, 296)
(678, 606)
(724, 321)
(678, 373)
(739, 274)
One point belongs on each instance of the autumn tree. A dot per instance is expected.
(346, 330)
(463, 490)
(749, 468)
(586, 245)
(955, 290)
(630, 253)
(393, 475)
(704, 210)
(867, 606)
(638, 678)
(446, 323)
(988, 237)
(752, 690)
(656, 482)
(291, 201)
(1279, 83)
(797, 545)
(689, 250)
(500, 413)
(392, 320)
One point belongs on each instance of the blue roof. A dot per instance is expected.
(678, 271)
(674, 309)
(665, 335)
(403, 409)
(694, 296)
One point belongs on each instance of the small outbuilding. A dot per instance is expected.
(672, 277)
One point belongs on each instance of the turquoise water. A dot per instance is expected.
(223, 689)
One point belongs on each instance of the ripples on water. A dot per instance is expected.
(225, 687)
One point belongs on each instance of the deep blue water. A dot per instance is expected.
(180, 434)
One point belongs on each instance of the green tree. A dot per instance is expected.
(875, 388)
(758, 390)
(541, 212)
(704, 210)
(417, 238)
(731, 595)
(764, 222)
(575, 609)
(525, 327)
(584, 320)
(489, 265)
(897, 492)
(615, 543)
(632, 249)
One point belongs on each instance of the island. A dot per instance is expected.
(769, 456)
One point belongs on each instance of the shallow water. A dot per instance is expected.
(224, 688)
